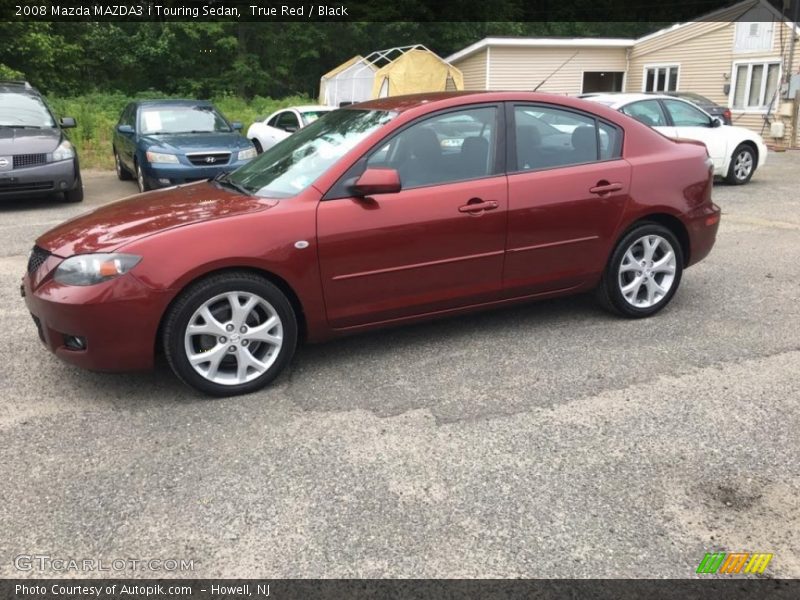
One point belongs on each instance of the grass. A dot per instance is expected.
(97, 114)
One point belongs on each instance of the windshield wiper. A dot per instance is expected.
(22, 126)
(223, 181)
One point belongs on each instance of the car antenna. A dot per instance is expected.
(561, 66)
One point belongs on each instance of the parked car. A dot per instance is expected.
(36, 156)
(168, 142)
(736, 151)
(711, 107)
(281, 124)
(363, 220)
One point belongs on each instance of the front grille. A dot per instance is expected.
(13, 186)
(29, 160)
(37, 258)
(209, 159)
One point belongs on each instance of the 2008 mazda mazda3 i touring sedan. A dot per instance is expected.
(380, 213)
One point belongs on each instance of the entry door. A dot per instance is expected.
(567, 193)
(435, 245)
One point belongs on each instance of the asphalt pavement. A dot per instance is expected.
(548, 440)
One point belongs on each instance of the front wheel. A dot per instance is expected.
(644, 272)
(141, 180)
(75, 194)
(743, 165)
(257, 146)
(230, 334)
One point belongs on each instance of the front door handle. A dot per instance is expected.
(603, 187)
(476, 205)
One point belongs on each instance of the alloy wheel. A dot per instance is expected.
(233, 338)
(743, 165)
(647, 271)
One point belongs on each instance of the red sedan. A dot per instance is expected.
(386, 212)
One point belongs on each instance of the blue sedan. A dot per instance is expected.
(169, 142)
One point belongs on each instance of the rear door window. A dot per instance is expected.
(648, 112)
(548, 137)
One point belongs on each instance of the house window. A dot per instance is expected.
(753, 36)
(755, 85)
(661, 78)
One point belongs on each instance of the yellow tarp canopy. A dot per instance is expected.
(415, 72)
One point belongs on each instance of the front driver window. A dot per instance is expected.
(686, 115)
(288, 122)
(454, 146)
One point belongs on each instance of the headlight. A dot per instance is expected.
(161, 157)
(247, 154)
(64, 151)
(89, 269)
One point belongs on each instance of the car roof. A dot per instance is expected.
(436, 100)
(617, 100)
(173, 102)
(311, 108)
(20, 87)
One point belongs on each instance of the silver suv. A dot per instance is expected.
(36, 158)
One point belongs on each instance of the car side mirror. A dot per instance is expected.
(237, 125)
(716, 122)
(376, 181)
(126, 129)
(67, 122)
(291, 128)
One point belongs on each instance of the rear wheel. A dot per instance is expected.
(644, 272)
(122, 172)
(743, 165)
(230, 334)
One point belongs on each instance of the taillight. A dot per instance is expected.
(727, 114)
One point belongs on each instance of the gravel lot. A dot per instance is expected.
(551, 440)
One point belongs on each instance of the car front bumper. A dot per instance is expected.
(39, 180)
(117, 320)
(167, 174)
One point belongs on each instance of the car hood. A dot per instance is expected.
(107, 228)
(28, 141)
(196, 142)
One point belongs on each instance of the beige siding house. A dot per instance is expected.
(566, 65)
(738, 57)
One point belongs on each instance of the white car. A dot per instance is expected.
(281, 124)
(736, 151)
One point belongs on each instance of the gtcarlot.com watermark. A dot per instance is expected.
(44, 563)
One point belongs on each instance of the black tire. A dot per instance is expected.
(181, 312)
(141, 180)
(609, 292)
(257, 145)
(122, 173)
(737, 175)
(76, 194)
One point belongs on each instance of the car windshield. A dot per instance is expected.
(310, 116)
(292, 165)
(181, 119)
(23, 110)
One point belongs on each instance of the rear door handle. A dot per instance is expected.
(603, 187)
(477, 205)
